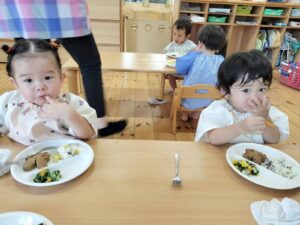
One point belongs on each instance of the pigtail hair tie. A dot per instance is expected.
(55, 44)
(7, 49)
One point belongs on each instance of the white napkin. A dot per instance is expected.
(4, 156)
(274, 212)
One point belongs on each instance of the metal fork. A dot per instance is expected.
(177, 180)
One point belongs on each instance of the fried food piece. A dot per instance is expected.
(255, 156)
(29, 163)
(42, 159)
(39, 160)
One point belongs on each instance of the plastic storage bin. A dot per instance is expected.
(219, 10)
(290, 74)
(243, 9)
(216, 19)
(294, 23)
(273, 12)
(276, 0)
(295, 12)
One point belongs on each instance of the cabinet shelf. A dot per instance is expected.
(199, 23)
(266, 16)
(247, 15)
(245, 25)
(295, 17)
(272, 26)
(292, 27)
(244, 21)
(219, 24)
(192, 12)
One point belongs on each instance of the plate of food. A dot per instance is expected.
(23, 218)
(264, 165)
(171, 63)
(175, 55)
(52, 162)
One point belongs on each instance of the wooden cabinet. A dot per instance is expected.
(106, 22)
(242, 21)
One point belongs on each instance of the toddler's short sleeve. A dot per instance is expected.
(83, 108)
(167, 48)
(190, 45)
(281, 121)
(4, 100)
(214, 116)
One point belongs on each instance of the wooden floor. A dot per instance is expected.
(127, 94)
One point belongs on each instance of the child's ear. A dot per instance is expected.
(199, 44)
(188, 36)
(13, 82)
(63, 76)
(62, 79)
(223, 93)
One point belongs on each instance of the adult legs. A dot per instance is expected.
(84, 51)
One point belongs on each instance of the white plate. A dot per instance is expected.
(266, 177)
(171, 63)
(23, 218)
(69, 168)
(174, 55)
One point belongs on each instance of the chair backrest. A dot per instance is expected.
(199, 91)
(203, 91)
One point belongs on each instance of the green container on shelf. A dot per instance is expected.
(243, 9)
(215, 19)
(273, 12)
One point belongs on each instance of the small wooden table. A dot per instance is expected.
(129, 183)
(119, 61)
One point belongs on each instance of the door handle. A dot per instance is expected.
(161, 28)
(134, 26)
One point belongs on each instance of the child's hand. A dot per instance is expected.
(55, 109)
(252, 125)
(260, 107)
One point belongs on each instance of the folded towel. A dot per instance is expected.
(197, 19)
(274, 212)
(4, 157)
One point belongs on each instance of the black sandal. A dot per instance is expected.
(112, 128)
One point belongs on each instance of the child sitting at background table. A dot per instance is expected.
(36, 110)
(201, 66)
(245, 114)
(180, 45)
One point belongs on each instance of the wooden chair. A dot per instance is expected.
(210, 92)
(74, 81)
(164, 77)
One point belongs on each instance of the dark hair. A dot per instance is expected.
(213, 37)
(28, 47)
(183, 24)
(247, 66)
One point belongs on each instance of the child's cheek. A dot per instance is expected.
(264, 97)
